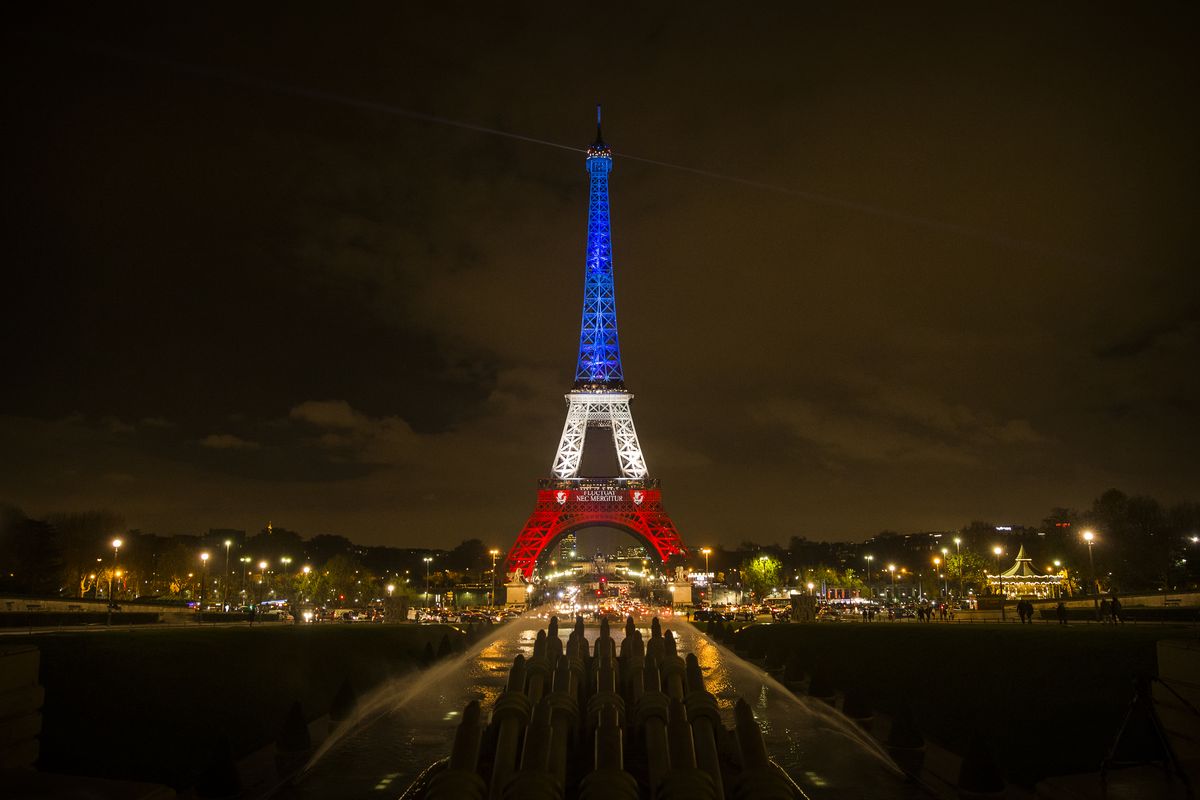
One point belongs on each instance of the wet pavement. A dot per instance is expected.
(410, 723)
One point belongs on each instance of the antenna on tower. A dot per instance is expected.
(599, 138)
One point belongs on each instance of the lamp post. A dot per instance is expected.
(958, 553)
(262, 579)
(245, 569)
(1000, 577)
(892, 570)
(492, 599)
(203, 580)
(945, 578)
(1090, 537)
(427, 561)
(937, 564)
(869, 559)
(116, 545)
(225, 577)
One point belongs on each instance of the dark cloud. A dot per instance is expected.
(971, 293)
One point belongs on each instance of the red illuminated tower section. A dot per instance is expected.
(630, 501)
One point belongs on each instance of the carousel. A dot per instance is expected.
(1022, 579)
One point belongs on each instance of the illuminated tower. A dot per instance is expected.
(630, 501)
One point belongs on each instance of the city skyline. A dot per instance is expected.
(284, 282)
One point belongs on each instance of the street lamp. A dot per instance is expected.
(116, 545)
(999, 576)
(203, 578)
(262, 579)
(869, 559)
(1090, 537)
(225, 577)
(493, 552)
(245, 569)
(958, 553)
(892, 570)
(427, 561)
(937, 563)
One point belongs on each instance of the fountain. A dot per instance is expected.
(592, 711)
(632, 724)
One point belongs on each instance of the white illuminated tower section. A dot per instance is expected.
(630, 501)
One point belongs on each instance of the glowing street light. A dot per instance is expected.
(262, 579)
(1090, 538)
(958, 554)
(1000, 576)
(225, 578)
(245, 569)
(427, 559)
(493, 553)
(116, 546)
(892, 570)
(203, 579)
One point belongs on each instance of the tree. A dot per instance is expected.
(81, 538)
(325, 546)
(973, 566)
(29, 555)
(761, 574)
(468, 555)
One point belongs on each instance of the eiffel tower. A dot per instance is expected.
(630, 501)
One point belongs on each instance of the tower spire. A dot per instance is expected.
(599, 138)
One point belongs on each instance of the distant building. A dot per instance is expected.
(633, 551)
(568, 548)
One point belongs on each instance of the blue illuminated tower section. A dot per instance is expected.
(599, 365)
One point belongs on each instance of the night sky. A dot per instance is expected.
(926, 264)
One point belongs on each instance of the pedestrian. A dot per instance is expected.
(1116, 610)
(1105, 610)
(1061, 610)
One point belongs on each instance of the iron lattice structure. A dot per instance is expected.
(630, 501)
